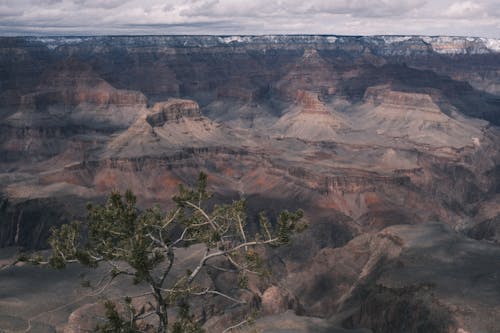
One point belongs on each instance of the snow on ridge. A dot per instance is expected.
(440, 44)
(492, 44)
(396, 39)
(54, 42)
(237, 39)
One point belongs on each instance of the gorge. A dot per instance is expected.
(388, 143)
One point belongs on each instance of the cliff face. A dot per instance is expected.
(364, 133)
(172, 110)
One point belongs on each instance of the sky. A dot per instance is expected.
(247, 17)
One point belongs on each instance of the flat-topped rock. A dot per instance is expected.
(172, 110)
(384, 95)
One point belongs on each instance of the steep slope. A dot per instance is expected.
(404, 279)
(241, 107)
(417, 118)
(70, 92)
(70, 101)
(310, 72)
(168, 126)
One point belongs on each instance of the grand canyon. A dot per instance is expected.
(388, 143)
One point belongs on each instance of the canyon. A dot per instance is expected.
(388, 143)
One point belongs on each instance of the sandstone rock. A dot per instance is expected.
(72, 82)
(276, 300)
(172, 110)
(311, 72)
(404, 100)
(166, 128)
(310, 102)
(310, 119)
(417, 117)
(70, 92)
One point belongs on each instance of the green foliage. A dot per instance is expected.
(142, 245)
(115, 323)
(23, 257)
(289, 223)
(186, 322)
(65, 244)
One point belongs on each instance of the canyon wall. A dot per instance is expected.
(382, 140)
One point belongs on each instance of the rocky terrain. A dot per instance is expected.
(389, 144)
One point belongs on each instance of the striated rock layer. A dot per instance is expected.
(310, 119)
(172, 110)
(388, 143)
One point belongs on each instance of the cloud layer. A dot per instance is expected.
(351, 17)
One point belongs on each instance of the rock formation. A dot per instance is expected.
(72, 90)
(166, 127)
(172, 110)
(417, 278)
(310, 119)
(310, 72)
(388, 143)
(418, 118)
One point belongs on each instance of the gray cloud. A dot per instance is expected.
(466, 9)
(444, 17)
(6, 12)
(367, 8)
(110, 4)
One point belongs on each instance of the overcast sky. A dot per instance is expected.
(345, 17)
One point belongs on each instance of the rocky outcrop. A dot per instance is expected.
(417, 117)
(72, 93)
(311, 72)
(310, 102)
(167, 128)
(242, 107)
(400, 99)
(275, 300)
(408, 309)
(310, 119)
(404, 279)
(487, 230)
(172, 110)
(70, 83)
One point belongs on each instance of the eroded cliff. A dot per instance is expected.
(374, 137)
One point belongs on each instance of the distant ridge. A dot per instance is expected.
(393, 43)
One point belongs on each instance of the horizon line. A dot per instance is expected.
(239, 35)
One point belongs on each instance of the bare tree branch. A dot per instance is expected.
(215, 292)
(202, 212)
(236, 326)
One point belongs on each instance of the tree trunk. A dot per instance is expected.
(161, 311)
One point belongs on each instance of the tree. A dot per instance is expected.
(143, 245)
